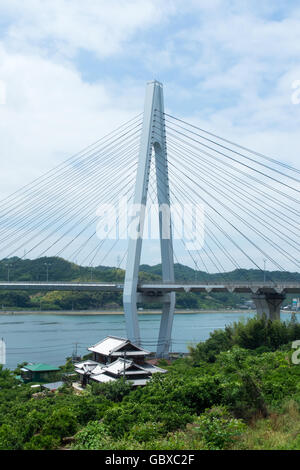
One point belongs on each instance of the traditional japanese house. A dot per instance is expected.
(114, 358)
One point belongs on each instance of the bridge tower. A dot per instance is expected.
(152, 140)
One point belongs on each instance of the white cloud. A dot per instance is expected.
(102, 27)
(50, 110)
(51, 113)
(234, 64)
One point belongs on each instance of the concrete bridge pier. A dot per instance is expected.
(168, 301)
(268, 303)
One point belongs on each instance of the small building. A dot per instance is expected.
(53, 386)
(38, 372)
(114, 358)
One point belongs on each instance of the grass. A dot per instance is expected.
(280, 431)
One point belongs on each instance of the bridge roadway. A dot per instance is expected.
(267, 296)
(160, 288)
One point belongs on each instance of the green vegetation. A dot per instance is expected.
(238, 390)
(62, 270)
(255, 334)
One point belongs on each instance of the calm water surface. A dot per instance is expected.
(51, 338)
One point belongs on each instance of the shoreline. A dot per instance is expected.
(121, 312)
(114, 312)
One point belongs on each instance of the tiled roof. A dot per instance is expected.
(116, 368)
(103, 378)
(80, 365)
(151, 368)
(41, 367)
(139, 382)
(53, 385)
(111, 345)
(107, 345)
(142, 352)
(99, 369)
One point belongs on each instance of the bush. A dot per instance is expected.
(10, 438)
(258, 334)
(218, 429)
(94, 436)
(146, 431)
(41, 442)
(60, 424)
(217, 342)
(242, 382)
(120, 419)
(114, 391)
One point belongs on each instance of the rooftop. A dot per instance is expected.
(113, 345)
(40, 367)
(53, 385)
(103, 378)
(116, 368)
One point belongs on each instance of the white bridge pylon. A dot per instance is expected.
(153, 139)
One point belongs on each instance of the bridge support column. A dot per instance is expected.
(268, 304)
(166, 323)
(152, 139)
(168, 306)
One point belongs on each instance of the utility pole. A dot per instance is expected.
(265, 262)
(196, 268)
(8, 270)
(124, 369)
(47, 270)
(75, 353)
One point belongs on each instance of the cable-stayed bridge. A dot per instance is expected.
(247, 202)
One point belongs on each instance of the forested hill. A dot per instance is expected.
(185, 273)
(61, 270)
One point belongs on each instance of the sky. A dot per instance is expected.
(71, 71)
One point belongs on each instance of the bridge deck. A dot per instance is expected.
(158, 288)
(64, 286)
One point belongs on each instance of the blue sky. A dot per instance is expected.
(75, 70)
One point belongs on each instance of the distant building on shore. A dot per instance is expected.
(114, 358)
